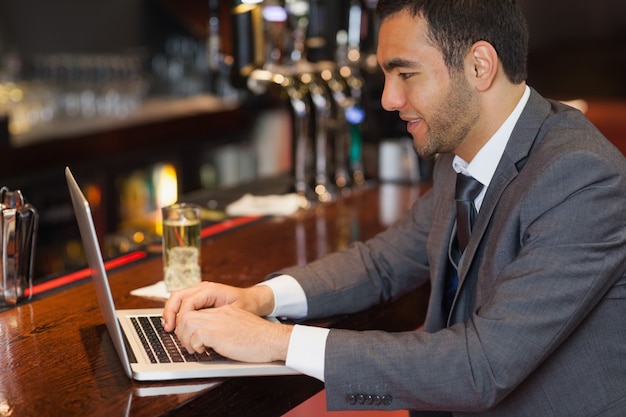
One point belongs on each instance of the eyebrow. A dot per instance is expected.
(398, 63)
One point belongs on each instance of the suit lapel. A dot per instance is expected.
(443, 222)
(513, 159)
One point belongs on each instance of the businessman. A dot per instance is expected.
(527, 314)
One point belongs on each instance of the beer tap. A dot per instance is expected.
(287, 76)
(301, 112)
(349, 69)
(319, 98)
(248, 39)
(355, 114)
(319, 106)
(343, 102)
(322, 105)
(345, 86)
(213, 46)
(259, 81)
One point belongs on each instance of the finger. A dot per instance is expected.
(171, 309)
(197, 345)
(186, 299)
(188, 325)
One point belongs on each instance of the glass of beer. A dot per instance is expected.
(181, 245)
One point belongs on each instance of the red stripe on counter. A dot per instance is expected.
(226, 225)
(133, 256)
(84, 273)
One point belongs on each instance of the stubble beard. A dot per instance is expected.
(452, 120)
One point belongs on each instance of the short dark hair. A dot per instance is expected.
(455, 25)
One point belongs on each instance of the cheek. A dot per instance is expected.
(422, 96)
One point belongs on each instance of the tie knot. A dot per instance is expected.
(467, 188)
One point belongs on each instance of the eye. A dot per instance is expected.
(405, 75)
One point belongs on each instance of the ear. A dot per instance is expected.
(482, 64)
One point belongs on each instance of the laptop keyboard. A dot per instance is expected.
(164, 347)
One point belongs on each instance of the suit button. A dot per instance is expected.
(387, 399)
(369, 400)
(377, 400)
(360, 398)
(351, 399)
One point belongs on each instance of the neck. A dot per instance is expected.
(497, 104)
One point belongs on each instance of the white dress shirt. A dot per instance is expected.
(308, 343)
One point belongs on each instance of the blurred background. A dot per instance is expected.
(576, 48)
(150, 101)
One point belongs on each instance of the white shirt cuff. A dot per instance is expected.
(289, 297)
(306, 351)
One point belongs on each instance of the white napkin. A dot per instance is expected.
(157, 291)
(272, 205)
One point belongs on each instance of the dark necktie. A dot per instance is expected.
(467, 189)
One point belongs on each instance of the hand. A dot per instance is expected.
(234, 333)
(227, 319)
(258, 300)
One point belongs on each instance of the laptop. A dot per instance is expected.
(131, 330)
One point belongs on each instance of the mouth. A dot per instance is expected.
(411, 122)
(410, 118)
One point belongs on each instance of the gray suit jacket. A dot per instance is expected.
(538, 326)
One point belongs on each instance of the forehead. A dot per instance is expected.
(403, 41)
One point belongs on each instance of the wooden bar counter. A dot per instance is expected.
(57, 358)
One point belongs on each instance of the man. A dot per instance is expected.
(537, 322)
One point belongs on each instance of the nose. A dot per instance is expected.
(392, 98)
